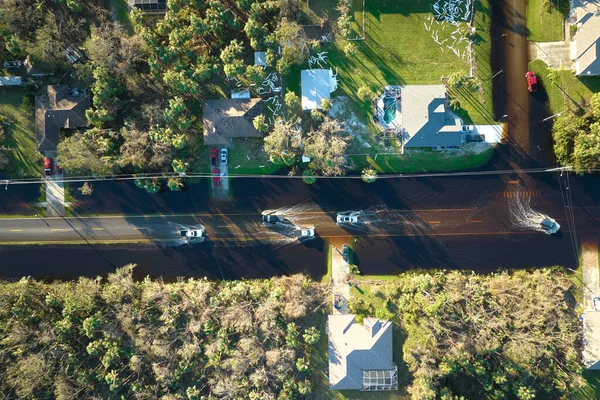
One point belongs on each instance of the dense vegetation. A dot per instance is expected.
(501, 336)
(577, 136)
(150, 340)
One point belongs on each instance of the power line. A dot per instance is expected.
(166, 175)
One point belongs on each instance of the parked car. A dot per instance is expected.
(303, 233)
(192, 233)
(48, 166)
(13, 64)
(549, 225)
(216, 176)
(57, 169)
(223, 155)
(531, 82)
(346, 253)
(346, 219)
(213, 156)
(596, 302)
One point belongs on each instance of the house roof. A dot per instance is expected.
(316, 86)
(230, 118)
(260, 58)
(56, 110)
(354, 348)
(586, 46)
(149, 5)
(591, 339)
(10, 81)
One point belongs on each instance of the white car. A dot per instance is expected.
(596, 302)
(346, 219)
(302, 233)
(223, 155)
(549, 225)
(192, 233)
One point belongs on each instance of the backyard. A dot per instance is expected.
(20, 136)
(545, 20)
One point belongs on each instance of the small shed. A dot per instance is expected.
(10, 81)
(260, 58)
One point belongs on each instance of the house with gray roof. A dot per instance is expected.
(55, 110)
(360, 355)
(427, 122)
(317, 84)
(591, 339)
(585, 47)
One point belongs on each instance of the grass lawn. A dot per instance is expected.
(121, 9)
(422, 161)
(544, 26)
(247, 156)
(20, 136)
(567, 91)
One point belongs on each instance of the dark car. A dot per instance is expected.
(57, 169)
(213, 156)
(216, 176)
(271, 219)
(48, 166)
(531, 82)
(346, 253)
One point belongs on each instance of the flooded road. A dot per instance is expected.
(462, 222)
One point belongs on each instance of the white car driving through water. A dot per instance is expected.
(549, 225)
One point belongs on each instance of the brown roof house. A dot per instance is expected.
(55, 110)
(230, 118)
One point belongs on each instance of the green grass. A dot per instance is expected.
(422, 161)
(567, 91)
(389, 57)
(544, 26)
(20, 136)
(258, 162)
(122, 11)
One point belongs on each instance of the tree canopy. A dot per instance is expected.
(147, 339)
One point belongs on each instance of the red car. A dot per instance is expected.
(213, 156)
(216, 176)
(48, 166)
(531, 82)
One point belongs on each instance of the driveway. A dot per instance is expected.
(55, 191)
(590, 273)
(221, 192)
(339, 287)
(554, 54)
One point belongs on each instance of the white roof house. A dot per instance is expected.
(585, 47)
(360, 356)
(591, 339)
(10, 81)
(317, 84)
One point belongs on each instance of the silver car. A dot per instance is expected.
(549, 225)
(346, 219)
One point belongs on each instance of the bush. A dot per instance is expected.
(308, 176)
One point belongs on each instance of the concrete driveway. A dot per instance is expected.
(554, 54)
(340, 288)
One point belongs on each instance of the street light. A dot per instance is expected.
(496, 74)
(552, 116)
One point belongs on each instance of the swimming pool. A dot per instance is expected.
(389, 109)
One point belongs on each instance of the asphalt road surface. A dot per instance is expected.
(466, 222)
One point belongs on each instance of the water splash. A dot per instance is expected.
(526, 218)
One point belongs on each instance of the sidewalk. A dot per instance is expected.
(590, 273)
(339, 287)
